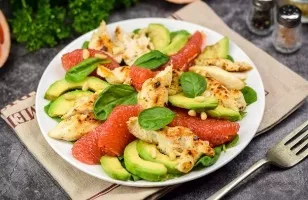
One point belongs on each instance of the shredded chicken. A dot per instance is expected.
(118, 75)
(176, 142)
(100, 39)
(225, 64)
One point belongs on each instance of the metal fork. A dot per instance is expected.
(285, 154)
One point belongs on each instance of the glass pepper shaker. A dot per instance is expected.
(287, 35)
(261, 17)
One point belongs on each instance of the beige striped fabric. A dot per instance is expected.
(282, 99)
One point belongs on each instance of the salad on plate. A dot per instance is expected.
(149, 104)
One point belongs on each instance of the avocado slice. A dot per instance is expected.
(218, 50)
(113, 168)
(65, 102)
(159, 36)
(225, 113)
(177, 43)
(179, 100)
(61, 86)
(147, 170)
(149, 152)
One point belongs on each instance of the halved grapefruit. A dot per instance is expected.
(5, 39)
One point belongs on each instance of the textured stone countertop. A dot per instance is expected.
(22, 177)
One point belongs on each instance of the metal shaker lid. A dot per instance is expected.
(264, 4)
(289, 16)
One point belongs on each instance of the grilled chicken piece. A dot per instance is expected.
(176, 142)
(154, 91)
(224, 77)
(229, 98)
(118, 75)
(224, 64)
(83, 105)
(100, 39)
(74, 127)
(175, 86)
(129, 47)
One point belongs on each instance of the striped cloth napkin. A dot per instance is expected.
(285, 91)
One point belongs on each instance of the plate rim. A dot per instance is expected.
(148, 183)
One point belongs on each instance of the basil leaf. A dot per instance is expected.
(136, 31)
(111, 97)
(85, 45)
(155, 118)
(193, 84)
(174, 33)
(250, 95)
(234, 142)
(83, 69)
(152, 60)
(230, 58)
(206, 161)
(243, 114)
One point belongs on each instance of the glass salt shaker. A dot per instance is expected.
(287, 35)
(261, 17)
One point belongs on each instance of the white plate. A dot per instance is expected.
(248, 126)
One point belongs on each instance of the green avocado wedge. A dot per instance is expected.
(177, 43)
(206, 103)
(149, 152)
(224, 113)
(146, 170)
(159, 36)
(61, 86)
(65, 102)
(217, 50)
(113, 168)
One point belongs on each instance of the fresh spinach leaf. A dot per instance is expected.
(152, 60)
(111, 97)
(250, 95)
(206, 161)
(193, 84)
(229, 57)
(155, 118)
(174, 33)
(83, 69)
(85, 45)
(136, 31)
(234, 142)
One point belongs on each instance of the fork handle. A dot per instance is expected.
(223, 191)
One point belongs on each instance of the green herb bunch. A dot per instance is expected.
(43, 23)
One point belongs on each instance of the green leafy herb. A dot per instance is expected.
(85, 45)
(44, 23)
(155, 118)
(46, 108)
(112, 96)
(42, 27)
(234, 142)
(229, 57)
(174, 33)
(152, 60)
(250, 95)
(83, 69)
(193, 84)
(243, 114)
(206, 161)
(136, 31)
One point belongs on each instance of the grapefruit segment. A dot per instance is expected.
(71, 59)
(114, 134)
(215, 131)
(139, 75)
(182, 59)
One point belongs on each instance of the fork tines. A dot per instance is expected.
(297, 140)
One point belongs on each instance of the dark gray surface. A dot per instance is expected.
(22, 177)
